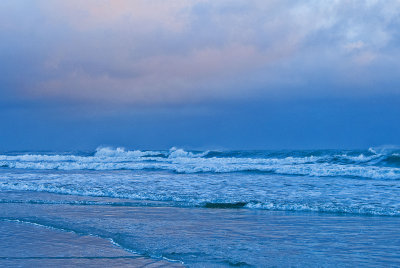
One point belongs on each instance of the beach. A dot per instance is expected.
(48, 229)
(25, 244)
(115, 207)
(137, 133)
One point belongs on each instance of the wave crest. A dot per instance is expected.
(366, 164)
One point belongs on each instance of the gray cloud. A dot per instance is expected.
(155, 52)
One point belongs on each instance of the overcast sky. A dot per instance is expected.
(243, 74)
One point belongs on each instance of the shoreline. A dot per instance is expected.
(199, 237)
(29, 244)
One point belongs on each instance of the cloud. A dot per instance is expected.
(91, 15)
(176, 51)
(354, 46)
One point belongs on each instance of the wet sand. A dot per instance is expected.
(39, 229)
(29, 245)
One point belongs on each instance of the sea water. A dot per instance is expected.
(216, 208)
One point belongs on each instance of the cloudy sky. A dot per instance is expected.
(245, 74)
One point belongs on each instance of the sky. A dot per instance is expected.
(238, 74)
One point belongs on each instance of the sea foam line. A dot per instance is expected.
(111, 240)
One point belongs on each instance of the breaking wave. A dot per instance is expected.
(367, 164)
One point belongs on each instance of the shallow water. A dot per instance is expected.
(259, 208)
(219, 237)
(33, 245)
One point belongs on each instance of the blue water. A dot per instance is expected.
(217, 208)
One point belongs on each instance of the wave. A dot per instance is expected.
(271, 205)
(325, 208)
(94, 233)
(367, 164)
(139, 203)
(211, 191)
(304, 207)
(225, 166)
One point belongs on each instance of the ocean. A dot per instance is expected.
(212, 208)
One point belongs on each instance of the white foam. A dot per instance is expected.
(108, 152)
(181, 161)
(180, 153)
(325, 207)
(359, 158)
